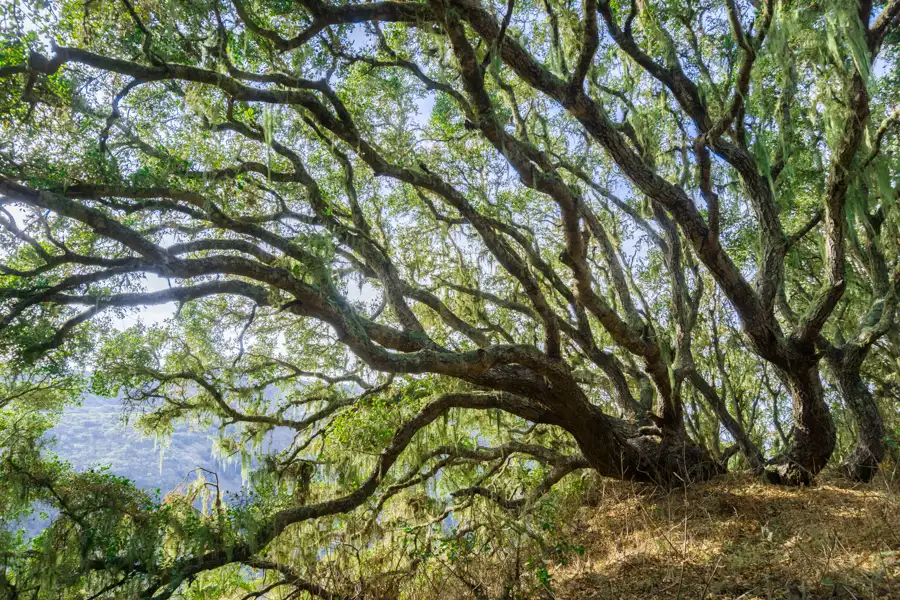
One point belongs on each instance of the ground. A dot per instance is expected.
(736, 538)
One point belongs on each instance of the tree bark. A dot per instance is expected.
(622, 453)
(814, 433)
(862, 462)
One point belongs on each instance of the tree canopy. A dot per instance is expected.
(461, 250)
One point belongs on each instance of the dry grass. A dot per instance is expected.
(736, 538)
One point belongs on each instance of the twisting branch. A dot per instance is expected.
(565, 467)
(290, 577)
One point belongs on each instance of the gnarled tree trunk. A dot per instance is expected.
(618, 450)
(862, 462)
(814, 433)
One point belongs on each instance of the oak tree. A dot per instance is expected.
(458, 249)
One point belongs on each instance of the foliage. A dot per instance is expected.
(457, 254)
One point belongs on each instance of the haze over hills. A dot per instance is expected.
(95, 434)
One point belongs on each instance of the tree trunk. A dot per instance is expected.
(814, 433)
(621, 453)
(862, 463)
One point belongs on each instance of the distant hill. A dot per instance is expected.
(95, 434)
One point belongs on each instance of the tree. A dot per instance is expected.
(440, 237)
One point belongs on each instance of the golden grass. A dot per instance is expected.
(735, 538)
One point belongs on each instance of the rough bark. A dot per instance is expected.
(667, 461)
(814, 432)
(862, 462)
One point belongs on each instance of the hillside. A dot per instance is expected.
(94, 433)
(735, 538)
